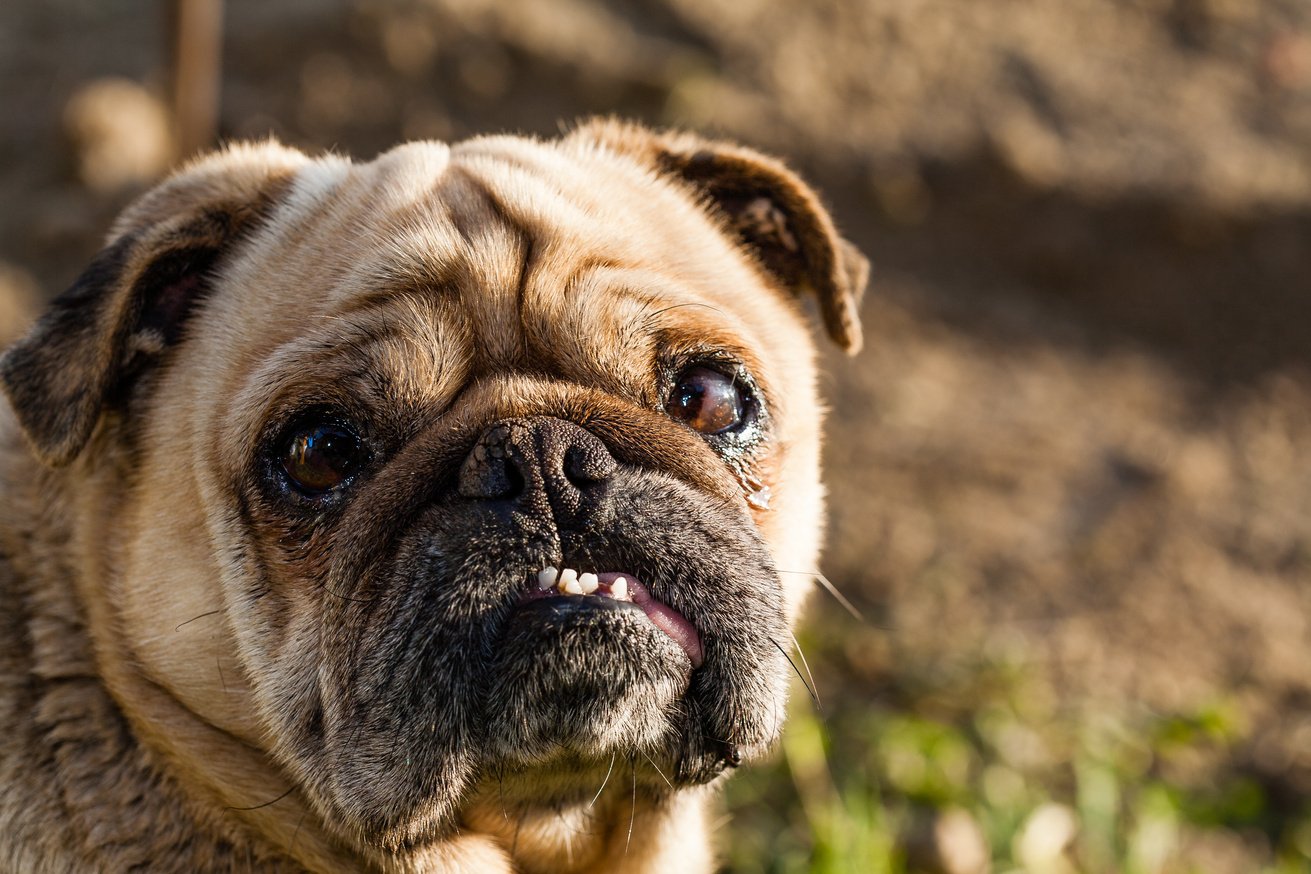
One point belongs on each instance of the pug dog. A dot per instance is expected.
(447, 512)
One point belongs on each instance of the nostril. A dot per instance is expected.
(587, 463)
(488, 472)
(511, 480)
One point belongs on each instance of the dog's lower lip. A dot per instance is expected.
(664, 617)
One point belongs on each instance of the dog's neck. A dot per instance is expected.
(617, 831)
(109, 800)
(113, 793)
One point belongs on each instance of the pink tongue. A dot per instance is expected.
(666, 618)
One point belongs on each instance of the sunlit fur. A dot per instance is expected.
(193, 677)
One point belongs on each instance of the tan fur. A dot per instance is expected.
(497, 277)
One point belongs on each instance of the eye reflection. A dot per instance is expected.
(707, 400)
(319, 456)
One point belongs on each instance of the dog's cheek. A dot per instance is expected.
(275, 615)
(405, 689)
(401, 706)
(721, 573)
(343, 673)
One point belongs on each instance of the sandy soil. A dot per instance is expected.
(1077, 440)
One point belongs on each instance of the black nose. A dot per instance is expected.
(540, 464)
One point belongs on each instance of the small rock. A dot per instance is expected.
(120, 134)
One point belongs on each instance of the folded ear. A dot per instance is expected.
(776, 217)
(131, 303)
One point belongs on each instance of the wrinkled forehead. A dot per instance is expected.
(496, 254)
(482, 218)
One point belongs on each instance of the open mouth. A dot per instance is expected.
(551, 582)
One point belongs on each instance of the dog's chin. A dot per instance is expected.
(577, 687)
(583, 678)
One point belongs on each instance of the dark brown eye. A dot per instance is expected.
(707, 400)
(319, 456)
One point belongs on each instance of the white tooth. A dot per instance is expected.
(588, 583)
(569, 582)
(619, 589)
(546, 578)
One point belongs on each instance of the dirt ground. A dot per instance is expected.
(1074, 455)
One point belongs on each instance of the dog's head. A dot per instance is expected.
(375, 427)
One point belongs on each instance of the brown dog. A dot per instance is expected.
(417, 515)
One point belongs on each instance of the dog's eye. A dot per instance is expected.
(707, 400)
(319, 456)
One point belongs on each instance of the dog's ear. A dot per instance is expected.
(776, 216)
(132, 302)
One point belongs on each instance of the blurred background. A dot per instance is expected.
(1071, 479)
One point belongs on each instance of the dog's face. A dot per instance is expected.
(483, 466)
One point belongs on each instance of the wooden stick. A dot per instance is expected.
(196, 30)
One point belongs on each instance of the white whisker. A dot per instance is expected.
(805, 665)
(603, 782)
(824, 581)
(658, 771)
